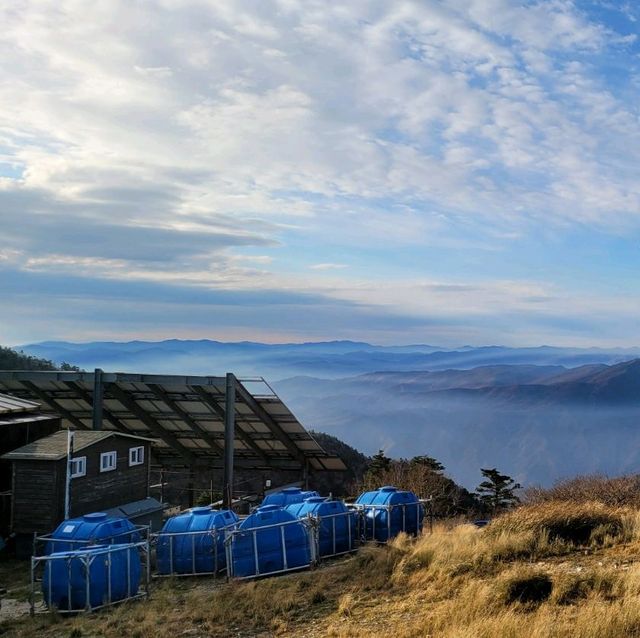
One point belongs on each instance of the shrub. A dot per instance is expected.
(576, 524)
(571, 588)
(614, 492)
(525, 586)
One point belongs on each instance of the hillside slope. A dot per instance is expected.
(504, 581)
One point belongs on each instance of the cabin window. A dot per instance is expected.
(78, 466)
(108, 461)
(136, 455)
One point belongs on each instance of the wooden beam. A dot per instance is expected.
(52, 403)
(183, 415)
(208, 400)
(131, 405)
(269, 421)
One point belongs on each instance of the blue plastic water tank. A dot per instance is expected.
(89, 529)
(64, 583)
(403, 512)
(288, 496)
(270, 540)
(337, 530)
(193, 542)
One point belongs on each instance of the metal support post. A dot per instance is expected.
(191, 486)
(98, 398)
(229, 437)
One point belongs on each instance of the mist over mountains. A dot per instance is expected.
(536, 413)
(322, 359)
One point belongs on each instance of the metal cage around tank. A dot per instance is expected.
(387, 511)
(194, 552)
(258, 548)
(384, 532)
(334, 526)
(91, 578)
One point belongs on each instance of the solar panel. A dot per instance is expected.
(185, 415)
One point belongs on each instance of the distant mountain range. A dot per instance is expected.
(539, 423)
(324, 359)
(536, 413)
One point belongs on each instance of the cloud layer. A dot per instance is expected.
(317, 150)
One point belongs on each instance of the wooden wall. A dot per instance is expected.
(102, 490)
(38, 486)
(15, 435)
(36, 503)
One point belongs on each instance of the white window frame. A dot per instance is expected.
(78, 466)
(136, 455)
(108, 461)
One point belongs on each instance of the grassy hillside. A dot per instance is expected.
(551, 569)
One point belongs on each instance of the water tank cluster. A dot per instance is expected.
(293, 528)
(95, 560)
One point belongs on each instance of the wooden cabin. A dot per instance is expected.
(108, 469)
(21, 422)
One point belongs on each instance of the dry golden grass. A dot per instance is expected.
(527, 574)
(614, 492)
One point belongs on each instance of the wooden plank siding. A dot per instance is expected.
(39, 486)
(36, 498)
(102, 490)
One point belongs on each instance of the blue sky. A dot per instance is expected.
(450, 172)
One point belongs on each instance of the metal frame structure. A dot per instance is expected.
(197, 421)
(254, 531)
(216, 534)
(364, 528)
(46, 562)
(316, 528)
(143, 532)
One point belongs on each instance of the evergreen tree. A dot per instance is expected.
(12, 360)
(497, 491)
(380, 463)
(429, 462)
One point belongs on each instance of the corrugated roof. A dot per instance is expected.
(24, 417)
(54, 446)
(13, 405)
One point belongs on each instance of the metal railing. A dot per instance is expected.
(319, 524)
(367, 524)
(138, 533)
(200, 542)
(85, 560)
(253, 532)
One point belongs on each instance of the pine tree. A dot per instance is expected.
(497, 492)
(429, 462)
(380, 463)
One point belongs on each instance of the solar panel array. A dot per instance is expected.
(184, 414)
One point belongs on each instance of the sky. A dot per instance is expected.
(448, 172)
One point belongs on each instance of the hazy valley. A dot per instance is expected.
(537, 413)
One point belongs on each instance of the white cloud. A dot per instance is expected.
(328, 266)
(214, 129)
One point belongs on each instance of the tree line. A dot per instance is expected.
(424, 475)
